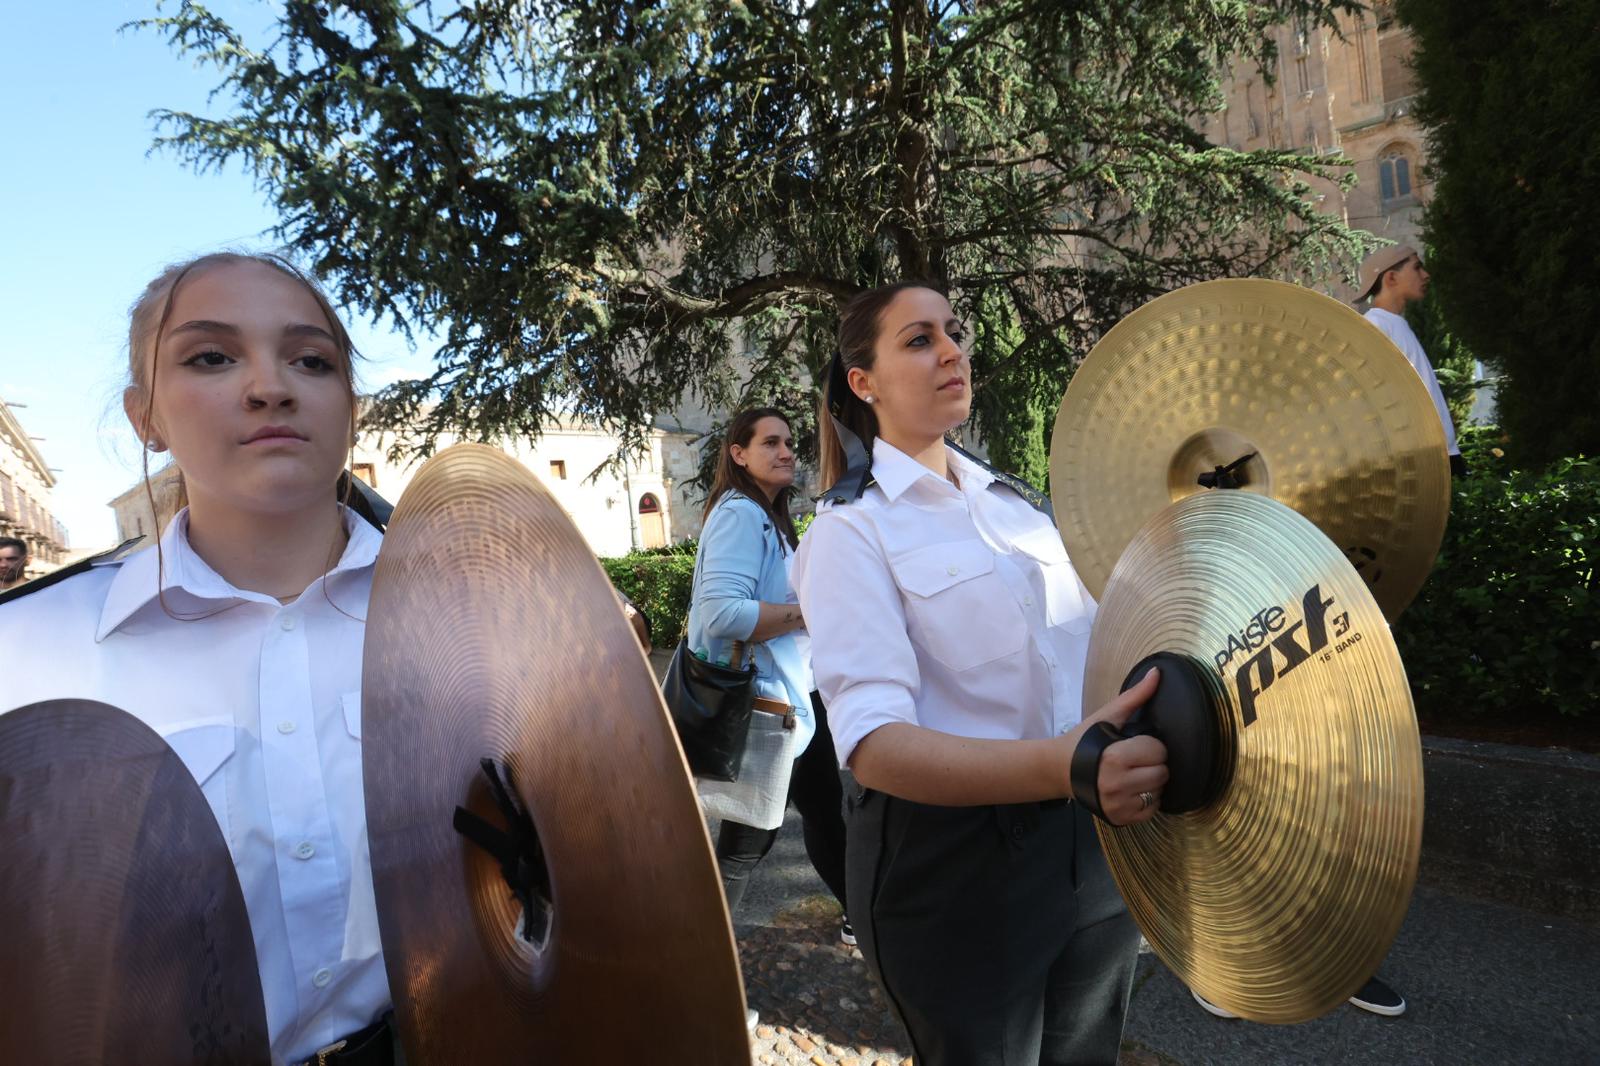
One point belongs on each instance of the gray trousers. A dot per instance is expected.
(996, 932)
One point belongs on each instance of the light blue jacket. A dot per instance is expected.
(742, 563)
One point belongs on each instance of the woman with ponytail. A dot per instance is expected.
(949, 634)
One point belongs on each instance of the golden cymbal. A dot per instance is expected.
(1280, 897)
(493, 633)
(126, 935)
(1339, 425)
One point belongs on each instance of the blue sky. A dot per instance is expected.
(91, 218)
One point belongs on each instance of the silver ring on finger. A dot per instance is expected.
(1147, 800)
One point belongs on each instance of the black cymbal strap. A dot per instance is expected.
(516, 848)
(1086, 766)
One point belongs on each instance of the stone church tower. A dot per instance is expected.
(1349, 97)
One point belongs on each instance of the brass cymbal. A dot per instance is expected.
(493, 633)
(1280, 897)
(126, 934)
(1339, 423)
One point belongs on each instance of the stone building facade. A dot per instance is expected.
(26, 481)
(1345, 95)
(646, 503)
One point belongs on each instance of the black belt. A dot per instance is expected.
(372, 1046)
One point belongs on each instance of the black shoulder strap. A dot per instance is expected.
(1036, 499)
(365, 501)
(82, 566)
(852, 486)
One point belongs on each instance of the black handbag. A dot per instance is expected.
(711, 707)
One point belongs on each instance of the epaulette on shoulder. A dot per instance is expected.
(82, 566)
(851, 487)
(365, 501)
(1036, 499)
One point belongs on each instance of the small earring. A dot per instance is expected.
(155, 445)
(872, 399)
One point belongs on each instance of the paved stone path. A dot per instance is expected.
(819, 1005)
(1488, 984)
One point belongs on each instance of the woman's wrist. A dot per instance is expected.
(1061, 766)
(776, 619)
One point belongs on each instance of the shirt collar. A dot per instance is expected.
(181, 570)
(895, 471)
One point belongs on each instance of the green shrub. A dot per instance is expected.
(1509, 620)
(658, 581)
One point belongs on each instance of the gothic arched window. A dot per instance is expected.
(1394, 176)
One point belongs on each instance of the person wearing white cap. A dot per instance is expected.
(1391, 278)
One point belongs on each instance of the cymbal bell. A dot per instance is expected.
(125, 926)
(494, 634)
(1263, 386)
(1279, 897)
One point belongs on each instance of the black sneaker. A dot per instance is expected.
(1379, 998)
(847, 934)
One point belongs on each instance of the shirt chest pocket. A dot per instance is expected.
(1066, 604)
(350, 703)
(957, 608)
(205, 747)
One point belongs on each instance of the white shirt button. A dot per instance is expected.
(305, 849)
(286, 727)
(1027, 601)
(322, 977)
(953, 571)
(286, 622)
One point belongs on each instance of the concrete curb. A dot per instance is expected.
(1512, 824)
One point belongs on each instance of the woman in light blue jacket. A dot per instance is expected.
(742, 594)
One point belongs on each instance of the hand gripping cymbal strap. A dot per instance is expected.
(1182, 715)
(1086, 766)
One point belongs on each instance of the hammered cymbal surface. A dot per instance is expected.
(1343, 428)
(1282, 897)
(493, 632)
(126, 935)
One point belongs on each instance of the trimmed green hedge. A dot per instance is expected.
(1509, 621)
(658, 580)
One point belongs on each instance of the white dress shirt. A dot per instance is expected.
(1398, 330)
(262, 701)
(952, 608)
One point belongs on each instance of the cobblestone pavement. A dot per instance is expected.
(819, 1005)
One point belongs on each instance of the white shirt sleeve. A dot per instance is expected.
(866, 668)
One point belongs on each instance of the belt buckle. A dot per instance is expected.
(332, 1049)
